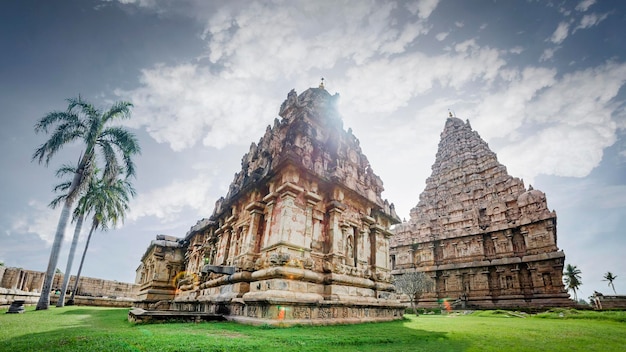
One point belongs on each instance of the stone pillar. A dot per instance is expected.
(270, 232)
(256, 212)
(289, 211)
(287, 217)
(369, 242)
(311, 200)
(223, 234)
(381, 246)
(228, 244)
(335, 235)
(364, 247)
(243, 239)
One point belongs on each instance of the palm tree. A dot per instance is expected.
(108, 200)
(81, 122)
(79, 216)
(610, 278)
(572, 279)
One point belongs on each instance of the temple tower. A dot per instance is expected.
(485, 239)
(302, 235)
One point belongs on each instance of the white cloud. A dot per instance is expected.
(560, 33)
(168, 202)
(408, 34)
(500, 114)
(42, 221)
(591, 20)
(585, 5)
(183, 104)
(393, 83)
(257, 47)
(548, 53)
(561, 151)
(423, 8)
(441, 36)
(569, 124)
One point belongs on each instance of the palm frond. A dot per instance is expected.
(51, 119)
(111, 165)
(62, 187)
(57, 140)
(119, 110)
(57, 201)
(85, 108)
(65, 169)
(125, 142)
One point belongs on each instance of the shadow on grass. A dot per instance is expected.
(107, 330)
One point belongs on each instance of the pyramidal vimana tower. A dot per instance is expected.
(301, 237)
(485, 239)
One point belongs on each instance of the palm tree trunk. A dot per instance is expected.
(70, 259)
(82, 261)
(44, 298)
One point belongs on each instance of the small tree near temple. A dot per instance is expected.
(413, 284)
(572, 279)
(610, 277)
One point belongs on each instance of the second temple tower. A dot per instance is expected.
(485, 239)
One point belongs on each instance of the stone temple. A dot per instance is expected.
(302, 235)
(486, 240)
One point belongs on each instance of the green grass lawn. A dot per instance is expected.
(106, 329)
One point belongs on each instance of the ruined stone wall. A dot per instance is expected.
(18, 279)
(602, 302)
(93, 287)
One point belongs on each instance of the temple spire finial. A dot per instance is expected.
(322, 84)
(450, 114)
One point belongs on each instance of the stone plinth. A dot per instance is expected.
(16, 307)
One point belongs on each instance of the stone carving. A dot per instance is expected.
(279, 259)
(479, 232)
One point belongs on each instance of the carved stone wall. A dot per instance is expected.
(485, 239)
(303, 226)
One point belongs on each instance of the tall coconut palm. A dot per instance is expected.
(610, 278)
(79, 216)
(108, 201)
(82, 122)
(572, 279)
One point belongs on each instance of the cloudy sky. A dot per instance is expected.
(541, 81)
